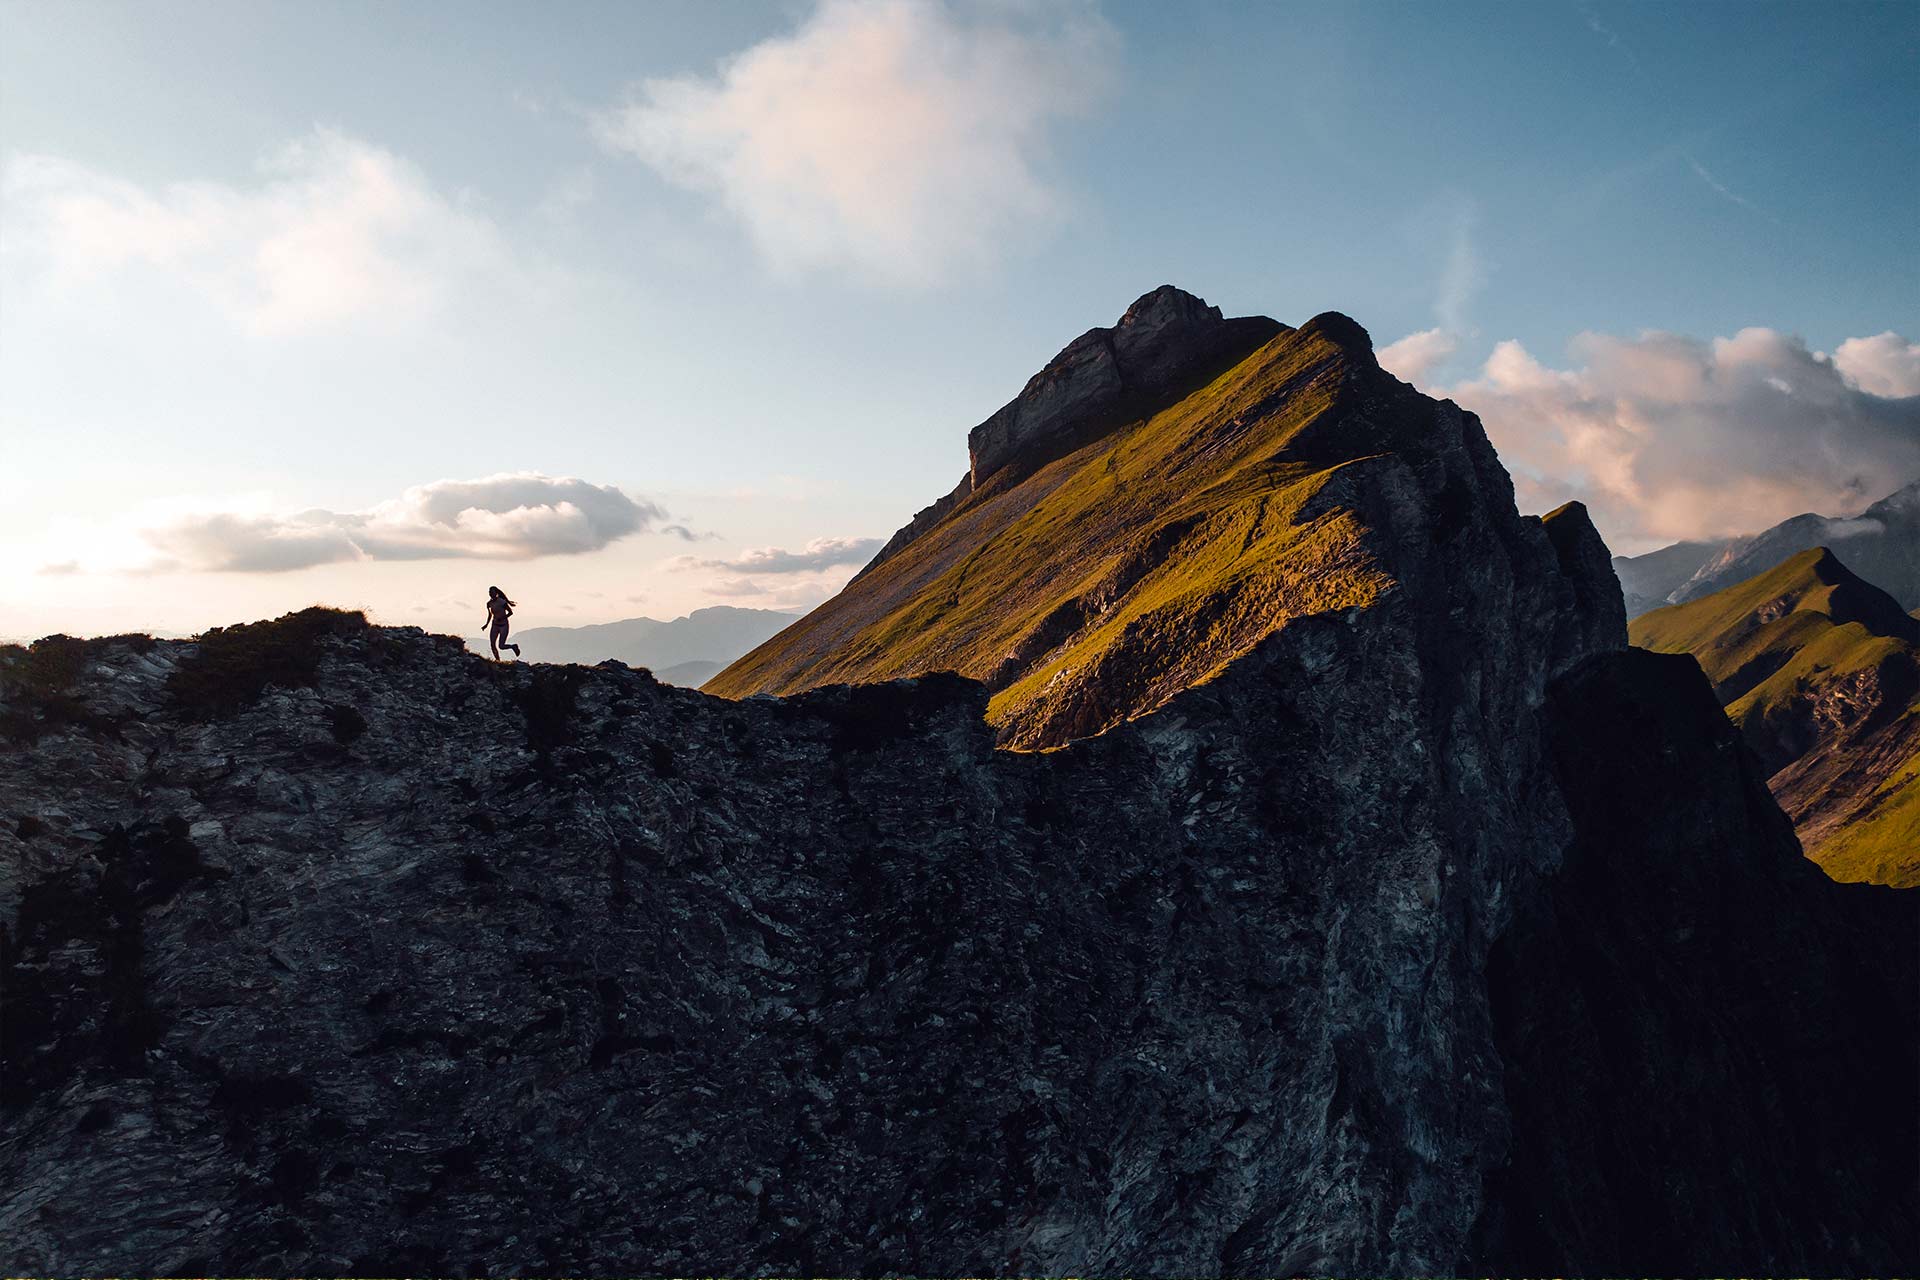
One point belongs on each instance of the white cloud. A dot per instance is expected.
(1883, 365)
(780, 577)
(819, 554)
(516, 516)
(335, 231)
(1418, 354)
(1462, 275)
(796, 593)
(1667, 437)
(904, 139)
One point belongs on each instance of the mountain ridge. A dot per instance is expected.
(1820, 670)
(1184, 536)
(1421, 928)
(1882, 544)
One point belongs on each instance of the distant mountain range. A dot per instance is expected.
(683, 651)
(1881, 544)
(1821, 672)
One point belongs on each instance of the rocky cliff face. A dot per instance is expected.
(336, 949)
(1657, 1034)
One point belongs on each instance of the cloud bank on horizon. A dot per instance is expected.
(1669, 438)
(515, 516)
(905, 141)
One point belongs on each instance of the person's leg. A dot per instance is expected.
(505, 627)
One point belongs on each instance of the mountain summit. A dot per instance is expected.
(1167, 343)
(1881, 544)
(1163, 496)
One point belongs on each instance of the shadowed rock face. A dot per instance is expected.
(399, 961)
(1689, 997)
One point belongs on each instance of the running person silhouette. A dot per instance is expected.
(499, 609)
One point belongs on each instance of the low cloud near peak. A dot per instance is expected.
(1668, 437)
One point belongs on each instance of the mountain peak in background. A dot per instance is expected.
(1881, 544)
(681, 651)
(1820, 670)
(1160, 498)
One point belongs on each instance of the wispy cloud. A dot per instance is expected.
(1701, 171)
(336, 231)
(781, 577)
(1658, 93)
(515, 516)
(903, 139)
(1462, 274)
(819, 554)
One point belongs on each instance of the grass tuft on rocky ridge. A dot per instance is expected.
(232, 666)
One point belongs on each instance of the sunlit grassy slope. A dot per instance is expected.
(1821, 671)
(1099, 585)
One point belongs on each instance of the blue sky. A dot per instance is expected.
(274, 275)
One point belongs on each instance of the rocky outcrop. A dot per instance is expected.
(333, 949)
(1598, 620)
(1167, 343)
